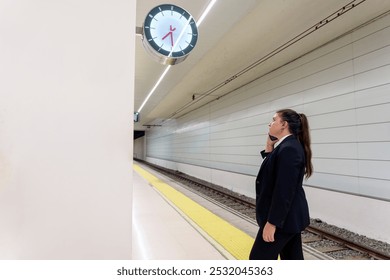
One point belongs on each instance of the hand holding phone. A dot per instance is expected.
(273, 138)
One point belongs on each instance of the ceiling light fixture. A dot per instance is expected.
(202, 17)
(209, 6)
(154, 88)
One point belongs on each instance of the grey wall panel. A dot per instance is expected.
(335, 182)
(374, 188)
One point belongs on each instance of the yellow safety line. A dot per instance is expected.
(233, 240)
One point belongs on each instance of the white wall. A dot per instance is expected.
(66, 105)
(343, 88)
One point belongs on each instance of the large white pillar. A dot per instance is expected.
(66, 109)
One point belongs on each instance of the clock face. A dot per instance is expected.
(170, 31)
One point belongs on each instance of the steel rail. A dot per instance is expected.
(375, 254)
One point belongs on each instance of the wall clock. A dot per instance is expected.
(169, 33)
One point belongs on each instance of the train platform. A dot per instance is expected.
(171, 222)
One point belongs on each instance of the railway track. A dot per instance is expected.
(315, 236)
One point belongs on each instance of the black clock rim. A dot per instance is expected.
(148, 37)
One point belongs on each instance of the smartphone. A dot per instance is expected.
(273, 138)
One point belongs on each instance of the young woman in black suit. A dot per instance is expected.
(281, 208)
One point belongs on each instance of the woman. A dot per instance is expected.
(281, 207)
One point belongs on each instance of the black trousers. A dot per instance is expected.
(287, 245)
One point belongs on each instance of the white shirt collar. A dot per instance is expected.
(281, 140)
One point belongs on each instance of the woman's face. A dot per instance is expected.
(276, 126)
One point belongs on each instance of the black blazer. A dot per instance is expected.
(280, 198)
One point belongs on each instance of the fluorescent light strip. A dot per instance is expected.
(202, 17)
(154, 88)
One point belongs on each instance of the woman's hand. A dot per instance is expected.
(269, 146)
(269, 232)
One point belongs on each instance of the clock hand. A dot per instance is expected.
(170, 33)
(166, 35)
(172, 39)
(172, 29)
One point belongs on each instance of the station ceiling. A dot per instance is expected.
(239, 41)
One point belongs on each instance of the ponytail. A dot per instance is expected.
(304, 138)
(299, 127)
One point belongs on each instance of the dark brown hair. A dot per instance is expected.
(299, 127)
